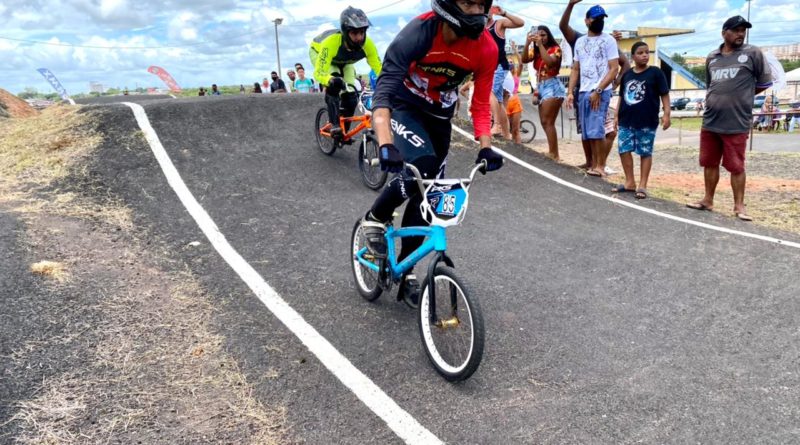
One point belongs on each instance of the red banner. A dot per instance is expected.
(164, 76)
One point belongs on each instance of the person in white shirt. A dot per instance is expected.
(596, 63)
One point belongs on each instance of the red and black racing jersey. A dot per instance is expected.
(421, 70)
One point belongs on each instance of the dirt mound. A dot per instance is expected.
(13, 106)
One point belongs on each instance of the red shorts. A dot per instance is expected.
(729, 148)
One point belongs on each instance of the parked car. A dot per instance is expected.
(695, 104)
(679, 103)
(758, 102)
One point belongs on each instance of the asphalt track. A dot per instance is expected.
(604, 324)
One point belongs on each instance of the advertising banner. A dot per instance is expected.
(165, 77)
(50, 77)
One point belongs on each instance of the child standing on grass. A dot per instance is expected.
(637, 117)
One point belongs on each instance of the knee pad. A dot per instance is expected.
(335, 86)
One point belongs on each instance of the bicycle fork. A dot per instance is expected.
(430, 282)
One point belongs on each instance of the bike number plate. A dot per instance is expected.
(447, 200)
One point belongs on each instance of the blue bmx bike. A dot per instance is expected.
(450, 320)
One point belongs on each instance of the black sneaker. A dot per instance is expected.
(373, 231)
(409, 291)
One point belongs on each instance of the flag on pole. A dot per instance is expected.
(165, 77)
(50, 77)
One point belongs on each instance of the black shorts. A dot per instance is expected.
(422, 139)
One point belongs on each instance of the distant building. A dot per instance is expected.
(97, 87)
(784, 52)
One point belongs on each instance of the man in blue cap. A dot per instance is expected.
(595, 65)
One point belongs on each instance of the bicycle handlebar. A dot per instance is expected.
(424, 183)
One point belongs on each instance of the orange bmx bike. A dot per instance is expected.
(368, 163)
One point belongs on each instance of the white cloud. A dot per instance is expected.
(233, 41)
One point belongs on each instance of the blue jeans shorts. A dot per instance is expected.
(551, 88)
(593, 121)
(637, 140)
(497, 84)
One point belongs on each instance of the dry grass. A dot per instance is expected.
(156, 371)
(43, 147)
(51, 269)
(153, 376)
(39, 150)
(773, 189)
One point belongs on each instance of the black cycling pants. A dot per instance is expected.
(424, 141)
(347, 103)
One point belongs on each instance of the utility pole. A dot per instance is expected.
(747, 36)
(277, 22)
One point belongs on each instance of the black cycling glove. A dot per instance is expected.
(391, 159)
(493, 160)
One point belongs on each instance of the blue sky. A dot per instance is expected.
(233, 42)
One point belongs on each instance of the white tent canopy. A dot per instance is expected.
(793, 75)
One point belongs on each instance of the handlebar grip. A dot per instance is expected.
(484, 165)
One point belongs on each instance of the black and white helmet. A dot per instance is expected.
(352, 18)
(470, 25)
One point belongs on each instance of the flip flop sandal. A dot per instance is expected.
(744, 216)
(594, 173)
(620, 188)
(641, 194)
(699, 206)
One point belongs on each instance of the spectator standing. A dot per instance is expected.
(257, 88)
(514, 108)
(549, 93)
(302, 84)
(299, 66)
(292, 78)
(201, 92)
(571, 36)
(214, 90)
(596, 64)
(497, 28)
(735, 73)
(277, 85)
(241, 89)
(794, 116)
(644, 90)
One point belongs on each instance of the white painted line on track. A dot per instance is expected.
(558, 180)
(401, 422)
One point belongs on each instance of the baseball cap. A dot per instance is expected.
(596, 11)
(734, 22)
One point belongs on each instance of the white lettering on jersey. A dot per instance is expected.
(724, 73)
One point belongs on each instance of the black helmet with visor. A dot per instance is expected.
(350, 19)
(469, 25)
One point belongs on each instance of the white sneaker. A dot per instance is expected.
(610, 171)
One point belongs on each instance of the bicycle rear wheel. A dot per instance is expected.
(451, 325)
(368, 163)
(367, 280)
(527, 131)
(325, 143)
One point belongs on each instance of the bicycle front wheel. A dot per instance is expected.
(367, 280)
(325, 143)
(368, 163)
(451, 325)
(527, 131)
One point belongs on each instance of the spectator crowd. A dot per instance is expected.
(735, 73)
